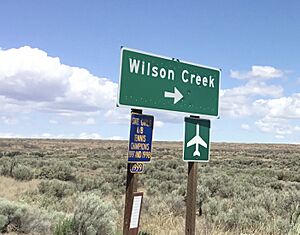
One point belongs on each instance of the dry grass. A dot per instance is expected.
(175, 225)
(12, 189)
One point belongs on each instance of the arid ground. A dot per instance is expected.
(77, 187)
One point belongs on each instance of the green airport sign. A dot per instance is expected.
(196, 145)
(151, 81)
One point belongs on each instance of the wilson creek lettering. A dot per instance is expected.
(149, 70)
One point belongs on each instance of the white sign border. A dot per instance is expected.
(183, 143)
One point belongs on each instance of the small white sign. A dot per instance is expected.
(135, 212)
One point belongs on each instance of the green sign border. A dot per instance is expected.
(196, 120)
(167, 58)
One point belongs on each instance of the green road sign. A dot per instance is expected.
(196, 140)
(150, 81)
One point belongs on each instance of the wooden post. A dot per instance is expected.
(190, 221)
(131, 187)
(191, 199)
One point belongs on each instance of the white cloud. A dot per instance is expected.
(262, 101)
(9, 120)
(245, 127)
(158, 124)
(279, 136)
(258, 72)
(284, 107)
(83, 135)
(88, 121)
(255, 88)
(53, 121)
(10, 135)
(278, 114)
(118, 116)
(32, 80)
(86, 135)
(276, 126)
(237, 101)
(115, 138)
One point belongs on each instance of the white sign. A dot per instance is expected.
(135, 212)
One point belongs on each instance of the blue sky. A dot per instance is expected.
(59, 65)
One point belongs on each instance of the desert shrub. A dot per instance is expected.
(176, 204)
(3, 223)
(164, 204)
(38, 154)
(60, 170)
(21, 172)
(7, 165)
(89, 183)
(153, 191)
(167, 187)
(295, 229)
(56, 188)
(155, 206)
(21, 218)
(64, 227)
(144, 233)
(12, 154)
(93, 216)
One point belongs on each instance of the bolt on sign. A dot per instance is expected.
(140, 139)
(151, 81)
(196, 140)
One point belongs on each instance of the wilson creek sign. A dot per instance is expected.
(150, 81)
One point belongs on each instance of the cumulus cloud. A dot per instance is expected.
(254, 88)
(245, 127)
(257, 72)
(158, 124)
(53, 121)
(117, 116)
(9, 120)
(284, 107)
(277, 115)
(265, 102)
(33, 80)
(10, 135)
(275, 126)
(88, 121)
(86, 135)
(115, 138)
(237, 101)
(83, 135)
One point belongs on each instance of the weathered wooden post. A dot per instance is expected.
(131, 187)
(190, 221)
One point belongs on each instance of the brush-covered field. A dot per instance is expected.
(77, 187)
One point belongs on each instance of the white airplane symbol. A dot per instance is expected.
(196, 141)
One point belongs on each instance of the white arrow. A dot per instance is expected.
(176, 95)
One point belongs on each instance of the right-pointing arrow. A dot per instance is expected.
(176, 95)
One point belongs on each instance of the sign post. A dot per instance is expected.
(131, 187)
(191, 199)
(139, 152)
(196, 149)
